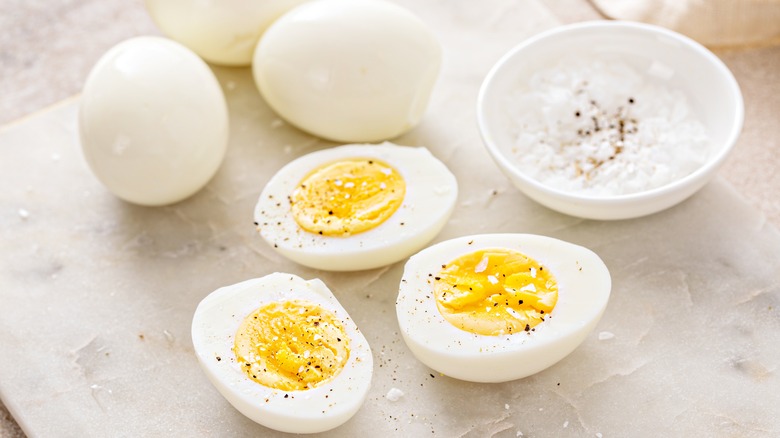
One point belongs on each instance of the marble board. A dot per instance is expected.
(97, 295)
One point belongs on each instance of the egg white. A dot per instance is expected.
(584, 286)
(431, 193)
(324, 407)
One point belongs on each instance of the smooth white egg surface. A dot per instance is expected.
(348, 70)
(153, 121)
(221, 31)
(283, 352)
(356, 207)
(499, 307)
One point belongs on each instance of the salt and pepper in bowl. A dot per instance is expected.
(609, 120)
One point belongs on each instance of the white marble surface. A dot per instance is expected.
(97, 295)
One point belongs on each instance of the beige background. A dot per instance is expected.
(47, 49)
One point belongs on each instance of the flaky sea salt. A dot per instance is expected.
(605, 336)
(394, 394)
(602, 128)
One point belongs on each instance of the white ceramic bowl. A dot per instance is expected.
(708, 85)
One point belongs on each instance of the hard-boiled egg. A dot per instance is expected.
(356, 207)
(499, 307)
(221, 31)
(348, 70)
(153, 121)
(283, 352)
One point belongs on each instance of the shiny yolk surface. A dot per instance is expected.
(495, 292)
(347, 197)
(291, 345)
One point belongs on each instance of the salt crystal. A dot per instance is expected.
(55, 157)
(492, 279)
(660, 70)
(605, 336)
(599, 435)
(506, 406)
(514, 313)
(519, 433)
(24, 214)
(394, 394)
(566, 424)
(482, 265)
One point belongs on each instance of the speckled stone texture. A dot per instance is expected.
(46, 51)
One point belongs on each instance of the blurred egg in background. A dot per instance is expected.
(222, 32)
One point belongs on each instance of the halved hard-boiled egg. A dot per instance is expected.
(284, 352)
(499, 307)
(356, 207)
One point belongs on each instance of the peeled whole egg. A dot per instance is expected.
(283, 352)
(356, 207)
(153, 121)
(499, 307)
(348, 70)
(221, 31)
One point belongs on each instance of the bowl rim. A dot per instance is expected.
(710, 165)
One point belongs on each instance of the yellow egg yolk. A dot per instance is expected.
(495, 292)
(347, 197)
(291, 345)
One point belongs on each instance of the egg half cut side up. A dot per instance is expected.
(499, 307)
(284, 352)
(356, 207)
